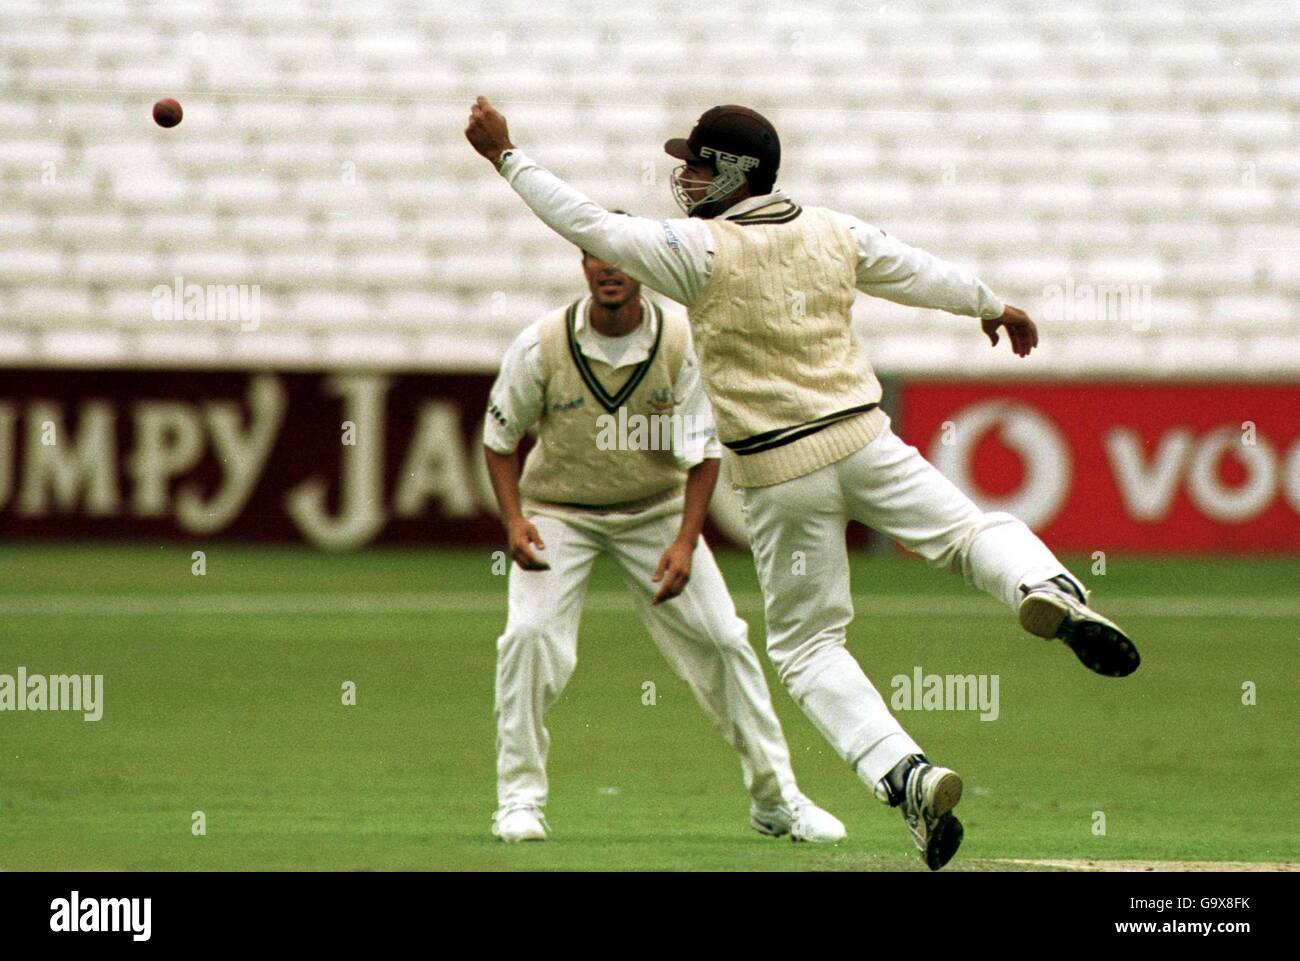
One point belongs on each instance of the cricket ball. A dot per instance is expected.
(167, 112)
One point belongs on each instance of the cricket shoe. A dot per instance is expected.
(516, 824)
(928, 795)
(1059, 609)
(801, 819)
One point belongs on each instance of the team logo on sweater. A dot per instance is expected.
(661, 400)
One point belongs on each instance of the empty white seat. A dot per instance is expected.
(1233, 271)
(310, 157)
(361, 349)
(357, 226)
(224, 266)
(1068, 198)
(20, 225)
(135, 306)
(66, 304)
(1237, 201)
(421, 310)
(272, 348)
(242, 191)
(192, 347)
(1256, 310)
(389, 267)
(108, 266)
(168, 228)
(301, 267)
(80, 346)
(32, 155)
(1256, 126)
(1144, 200)
(17, 347)
(1130, 269)
(386, 46)
(1273, 354)
(330, 308)
(1030, 273)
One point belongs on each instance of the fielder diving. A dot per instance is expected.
(606, 360)
(769, 285)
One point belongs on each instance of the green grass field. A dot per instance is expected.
(223, 695)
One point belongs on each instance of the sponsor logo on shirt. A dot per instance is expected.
(562, 406)
(672, 238)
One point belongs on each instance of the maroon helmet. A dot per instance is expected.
(740, 144)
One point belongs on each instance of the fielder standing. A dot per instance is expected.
(625, 463)
(769, 287)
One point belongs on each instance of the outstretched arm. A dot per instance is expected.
(670, 256)
(893, 270)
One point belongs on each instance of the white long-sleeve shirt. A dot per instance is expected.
(518, 394)
(674, 256)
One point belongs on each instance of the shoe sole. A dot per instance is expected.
(946, 794)
(945, 839)
(1100, 645)
(767, 829)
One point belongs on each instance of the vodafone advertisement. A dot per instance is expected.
(1178, 467)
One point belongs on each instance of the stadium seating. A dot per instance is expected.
(1151, 146)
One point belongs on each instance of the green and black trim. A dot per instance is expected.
(777, 212)
(788, 435)
(611, 402)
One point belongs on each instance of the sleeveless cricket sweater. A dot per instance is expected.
(791, 389)
(604, 438)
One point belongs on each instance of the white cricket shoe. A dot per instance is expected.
(801, 819)
(1059, 609)
(929, 795)
(519, 824)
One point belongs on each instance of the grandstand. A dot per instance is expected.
(1145, 151)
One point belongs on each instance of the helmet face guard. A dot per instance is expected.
(729, 179)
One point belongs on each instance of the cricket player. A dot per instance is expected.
(769, 285)
(625, 463)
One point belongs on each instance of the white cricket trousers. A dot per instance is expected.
(698, 632)
(796, 532)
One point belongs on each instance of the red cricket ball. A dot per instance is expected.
(167, 112)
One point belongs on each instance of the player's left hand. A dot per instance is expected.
(674, 571)
(1020, 330)
(487, 131)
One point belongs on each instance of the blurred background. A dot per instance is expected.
(316, 243)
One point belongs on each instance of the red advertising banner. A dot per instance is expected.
(339, 460)
(1204, 467)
